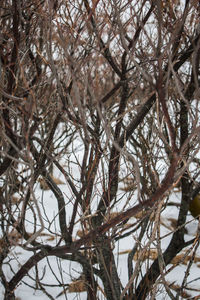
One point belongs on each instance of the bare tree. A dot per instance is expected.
(105, 93)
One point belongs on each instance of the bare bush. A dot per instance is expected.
(104, 94)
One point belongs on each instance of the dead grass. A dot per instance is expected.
(44, 186)
(77, 286)
(152, 254)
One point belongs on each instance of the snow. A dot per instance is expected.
(66, 270)
(48, 210)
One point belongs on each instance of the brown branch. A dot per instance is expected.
(106, 51)
(61, 207)
(115, 155)
(138, 31)
(112, 91)
(162, 99)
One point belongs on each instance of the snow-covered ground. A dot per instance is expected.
(54, 272)
(65, 270)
